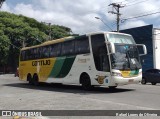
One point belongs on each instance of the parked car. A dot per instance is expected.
(17, 73)
(151, 76)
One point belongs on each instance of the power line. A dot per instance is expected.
(148, 12)
(140, 16)
(129, 1)
(142, 13)
(136, 3)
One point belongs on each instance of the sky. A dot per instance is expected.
(79, 15)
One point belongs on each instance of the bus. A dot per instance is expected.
(106, 59)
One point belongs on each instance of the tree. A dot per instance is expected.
(17, 31)
(4, 49)
(60, 31)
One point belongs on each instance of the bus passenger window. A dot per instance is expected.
(26, 54)
(82, 45)
(35, 53)
(22, 56)
(52, 51)
(45, 52)
(55, 50)
(68, 48)
(30, 54)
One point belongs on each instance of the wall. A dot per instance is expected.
(156, 48)
(143, 35)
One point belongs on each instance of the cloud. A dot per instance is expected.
(134, 9)
(5, 7)
(80, 15)
(133, 24)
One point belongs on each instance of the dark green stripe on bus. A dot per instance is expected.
(62, 67)
(57, 67)
(134, 72)
(66, 66)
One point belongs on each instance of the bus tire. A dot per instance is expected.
(85, 81)
(153, 83)
(143, 81)
(35, 80)
(29, 79)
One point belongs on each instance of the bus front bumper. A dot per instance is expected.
(125, 81)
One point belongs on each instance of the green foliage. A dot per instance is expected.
(15, 30)
(60, 31)
(4, 47)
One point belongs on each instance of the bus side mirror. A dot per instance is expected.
(111, 47)
(144, 49)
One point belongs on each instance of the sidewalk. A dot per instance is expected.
(6, 75)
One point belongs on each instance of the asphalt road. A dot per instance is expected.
(18, 95)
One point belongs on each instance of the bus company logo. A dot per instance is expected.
(6, 113)
(41, 62)
(100, 79)
(83, 60)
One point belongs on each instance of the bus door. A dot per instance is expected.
(100, 56)
(103, 59)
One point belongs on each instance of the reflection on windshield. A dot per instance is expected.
(126, 57)
(120, 38)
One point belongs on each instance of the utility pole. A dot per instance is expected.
(116, 6)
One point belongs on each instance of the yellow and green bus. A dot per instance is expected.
(97, 59)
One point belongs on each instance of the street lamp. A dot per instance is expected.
(104, 23)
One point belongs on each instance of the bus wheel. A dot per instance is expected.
(86, 82)
(35, 80)
(143, 81)
(153, 83)
(29, 79)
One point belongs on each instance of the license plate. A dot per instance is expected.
(125, 73)
(131, 80)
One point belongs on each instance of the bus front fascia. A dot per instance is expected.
(111, 50)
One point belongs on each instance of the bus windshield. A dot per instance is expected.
(120, 38)
(126, 57)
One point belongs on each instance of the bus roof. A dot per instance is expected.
(71, 37)
(50, 42)
(102, 32)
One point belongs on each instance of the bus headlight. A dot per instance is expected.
(116, 74)
(140, 72)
